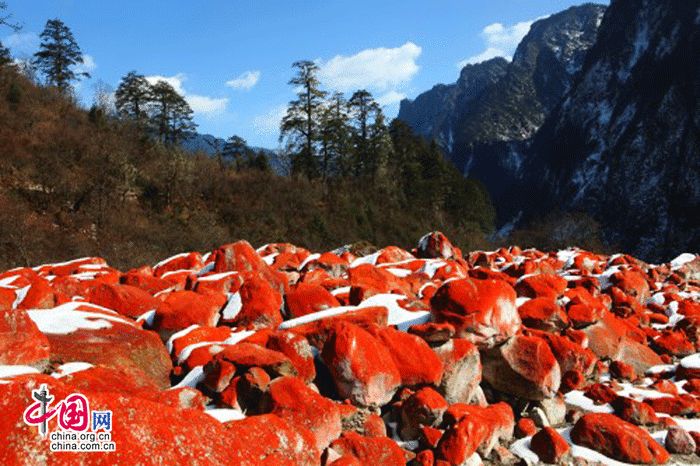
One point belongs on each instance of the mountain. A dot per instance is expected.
(211, 145)
(486, 134)
(433, 113)
(624, 145)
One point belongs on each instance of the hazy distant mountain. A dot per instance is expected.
(212, 145)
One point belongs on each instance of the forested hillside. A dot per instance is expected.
(84, 182)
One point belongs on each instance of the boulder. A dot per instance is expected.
(618, 439)
(362, 369)
(482, 311)
(524, 366)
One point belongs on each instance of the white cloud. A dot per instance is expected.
(245, 81)
(22, 44)
(268, 124)
(200, 104)
(88, 65)
(390, 98)
(500, 41)
(379, 69)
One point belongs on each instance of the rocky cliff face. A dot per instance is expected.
(433, 114)
(624, 145)
(486, 133)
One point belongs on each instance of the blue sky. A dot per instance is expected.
(232, 58)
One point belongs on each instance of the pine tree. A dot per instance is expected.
(58, 55)
(6, 18)
(235, 150)
(335, 137)
(363, 111)
(133, 97)
(5, 57)
(300, 126)
(171, 115)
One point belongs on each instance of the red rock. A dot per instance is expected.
(198, 335)
(541, 286)
(610, 339)
(525, 427)
(148, 283)
(634, 411)
(270, 440)
(308, 298)
(620, 440)
(476, 428)
(416, 362)
(571, 380)
(185, 261)
(674, 344)
(462, 370)
(393, 254)
(298, 350)
(126, 300)
(291, 399)
(664, 386)
(423, 408)
(367, 280)
(118, 342)
(632, 283)
(691, 386)
(430, 436)
(226, 282)
(126, 380)
(543, 314)
(696, 437)
(482, 311)
(679, 441)
(368, 450)
(180, 309)
(39, 296)
(362, 368)
(600, 393)
(549, 445)
(436, 245)
(317, 331)
(241, 257)
(621, 370)
(424, 458)
(681, 405)
(433, 333)
(246, 355)
(569, 354)
(261, 305)
(21, 342)
(524, 366)
(140, 430)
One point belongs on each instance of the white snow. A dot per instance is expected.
(235, 337)
(401, 273)
(70, 368)
(193, 377)
(67, 318)
(341, 290)
(233, 306)
(397, 315)
(7, 281)
(270, 259)
(521, 300)
(12, 371)
(147, 317)
(225, 414)
(578, 399)
(431, 266)
(179, 334)
(368, 259)
(20, 294)
(691, 362)
(216, 276)
(311, 258)
(681, 260)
